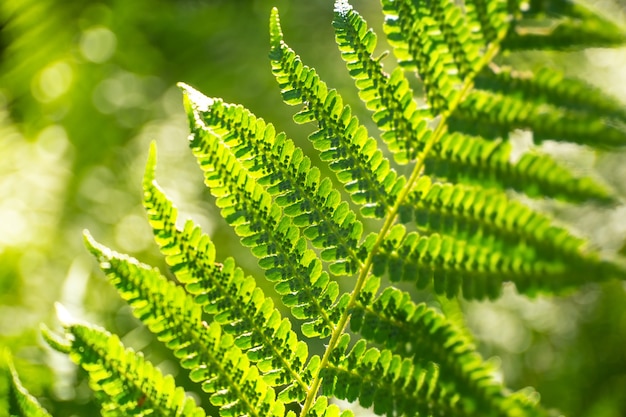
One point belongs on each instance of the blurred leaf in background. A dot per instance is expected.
(84, 87)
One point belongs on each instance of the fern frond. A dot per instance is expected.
(263, 226)
(450, 264)
(418, 332)
(484, 112)
(434, 39)
(548, 85)
(457, 157)
(214, 359)
(341, 139)
(233, 299)
(475, 161)
(474, 213)
(391, 384)
(286, 174)
(404, 127)
(487, 238)
(125, 382)
(466, 237)
(560, 25)
(27, 404)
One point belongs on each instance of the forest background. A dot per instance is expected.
(85, 86)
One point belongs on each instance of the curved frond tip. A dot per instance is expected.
(264, 226)
(25, 403)
(214, 358)
(233, 299)
(124, 381)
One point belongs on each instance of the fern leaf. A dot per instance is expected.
(475, 161)
(341, 139)
(451, 265)
(476, 213)
(409, 358)
(124, 380)
(286, 174)
(560, 25)
(456, 157)
(214, 359)
(504, 113)
(232, 298)
(273, 237)
(548, 85)
(27, 405)
(390, 97)
(391, 384)
(435, 40)
(418, 332)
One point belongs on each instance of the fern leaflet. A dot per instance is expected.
(124, 381)
(560, 25)
(341, 139)
(459, 157)
(273, 237)
(280, 167)
(229, 296)
(418, 332)
(26, 404)
(214, 360)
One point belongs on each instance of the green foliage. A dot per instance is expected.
(560, 25)
(452, 225)
(223, 291)
(16, 400)
(124, 382)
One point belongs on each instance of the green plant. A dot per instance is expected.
(451, 226)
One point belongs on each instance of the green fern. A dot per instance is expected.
(124, 382)
(453, 225)
(17, 400)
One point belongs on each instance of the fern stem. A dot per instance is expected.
(366, 266)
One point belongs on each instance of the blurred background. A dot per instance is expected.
(85, 86)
